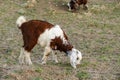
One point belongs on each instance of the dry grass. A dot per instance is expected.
(96, 33)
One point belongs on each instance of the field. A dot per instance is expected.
(95, 32)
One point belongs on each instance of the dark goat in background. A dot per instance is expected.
(74, 4)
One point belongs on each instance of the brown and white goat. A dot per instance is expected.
(74, 4)
(49, 36)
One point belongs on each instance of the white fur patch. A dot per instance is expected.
(24, 57)
(27, 57)
(45, 38)
(69, 6)
(20, 21)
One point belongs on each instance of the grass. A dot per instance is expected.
(39, 70)
(68, 70)
(7, 77)
(83, 75)
(94, 32)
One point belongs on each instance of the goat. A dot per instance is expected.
(49, 36)
(74, 4)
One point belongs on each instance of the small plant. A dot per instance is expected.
(7, 77)
(83, 75)
(39, 70)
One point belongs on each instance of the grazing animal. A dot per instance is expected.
(74, 4)
(49, 36)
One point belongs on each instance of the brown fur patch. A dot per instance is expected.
(57, 44)
(31, 31)
(79, 2)
(74, 4)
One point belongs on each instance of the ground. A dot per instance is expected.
(95, 32)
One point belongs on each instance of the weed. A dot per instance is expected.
(83, 75)
(39, 70)
(7, 77)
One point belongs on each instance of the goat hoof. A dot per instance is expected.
(29, 63)
(56, 61)
(43, 63)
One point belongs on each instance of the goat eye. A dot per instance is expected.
(77, 58)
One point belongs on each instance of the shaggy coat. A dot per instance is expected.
(49, 36)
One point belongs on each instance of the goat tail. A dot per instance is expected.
(20, 21)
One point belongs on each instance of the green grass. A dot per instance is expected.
(84, 64)
(39, 70)
(7, 77)
(83, 75)
(68, 70)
